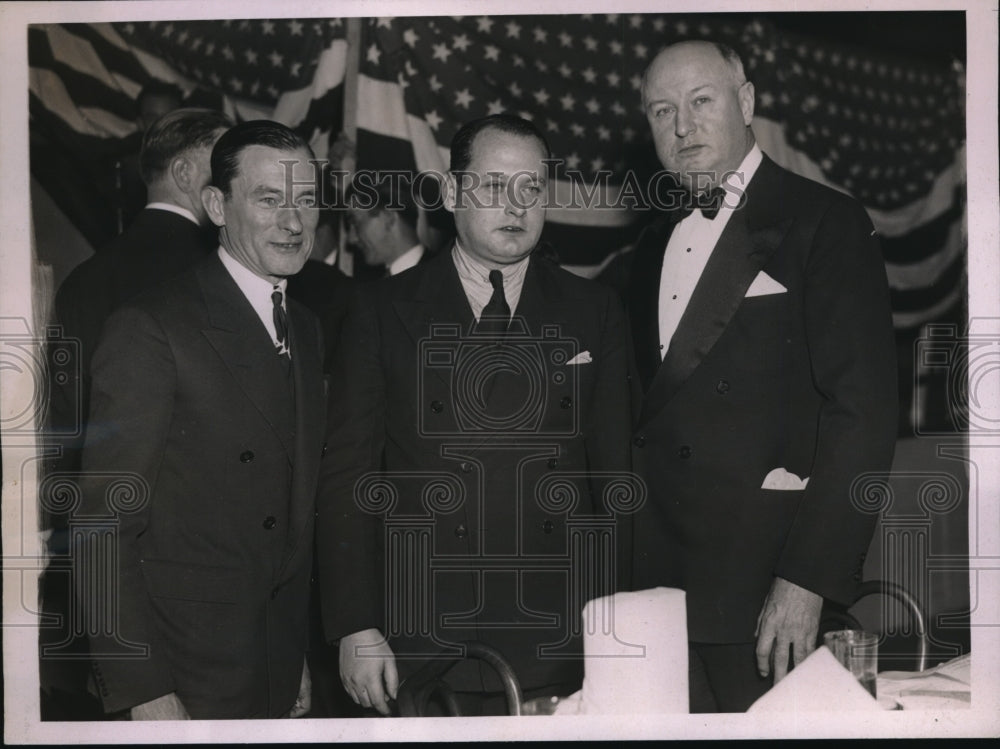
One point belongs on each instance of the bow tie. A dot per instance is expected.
(708, 203)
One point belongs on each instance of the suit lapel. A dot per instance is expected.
(750, 238)
(242, 342)
(643, 297)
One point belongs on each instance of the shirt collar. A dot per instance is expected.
(472, 267)
(256, 289)
(174, 209)
(407, 260)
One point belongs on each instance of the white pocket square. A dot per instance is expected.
(764, 285)
(782, 480)
(582, 358)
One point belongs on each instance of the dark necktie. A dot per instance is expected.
(281, 327)
(496, 314)
(708, 203)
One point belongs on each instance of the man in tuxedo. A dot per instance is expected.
(383, 224)
(764, 346)
(478, 412)
(167, 237)
(207, 403)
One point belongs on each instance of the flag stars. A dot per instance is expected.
(433, 119)
(384, 22)
(251, 56)
(227, 52)
(616, 47)
(295, 27)
(552, 126)
(589, 75)
(542, 97)
(597, 164)
(565, 39)
(236, 84)
(540, 34)
(435, 84)
(210, 48)
(628, 134)
(491, 53)
(592, 106)
(215, 79)
(635, 82)
(590, 43)
(273, 91)
(618, 109)
(542, 67)
(518, 61)
(267, 28)
(295, 69)
(565, 70)
(568, 102)
(573, 161)
(641, 51)
(168, 30)
(659, 24)
(463, 98)
(495, 107)
(603, 133)
(611, 18)
(515, 90)
(196, 43)
(460, 42)
(513, 30)
(578, 129)
(613, 79)
(635, 21)
(484, 24)
(410, 38)
(441, 52)
(374, 54)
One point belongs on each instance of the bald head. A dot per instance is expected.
(699, 106)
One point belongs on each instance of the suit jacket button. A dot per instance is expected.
(684, 453)
(437, 406)
(566, 402)
(547, 526)
(639, 441)
(324, 449)
(553, 463)
(246, 457)
(270, 521)
(722, 387)
(465, 467)
(461, 531)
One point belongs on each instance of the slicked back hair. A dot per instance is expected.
(226, 154)
(173, 134)
(461, 144)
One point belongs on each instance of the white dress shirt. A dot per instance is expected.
(175, 209)
(258, 292)
(407, 260)
(691, 244)
(475, 279)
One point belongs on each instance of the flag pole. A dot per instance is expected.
(345, 260)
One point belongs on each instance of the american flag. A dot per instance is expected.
(888, 129)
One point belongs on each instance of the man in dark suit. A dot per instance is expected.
(207, 400)
(483, 395)
(167, 237)
(764, 345)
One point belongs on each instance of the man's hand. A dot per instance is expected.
(368, 669)
(167, 707)
(303, 703)
(790, 617)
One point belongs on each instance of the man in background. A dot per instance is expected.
(383, 224)
(765, 352)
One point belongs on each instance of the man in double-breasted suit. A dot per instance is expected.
(208, 401)
(479, 407)
(764, 344)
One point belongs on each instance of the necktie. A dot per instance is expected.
(496, 314)
(708, 203)
(280, 326)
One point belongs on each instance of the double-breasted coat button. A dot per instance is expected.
(722, 387)
(684, 452)
(566, 402)
(325, 448)
(465, 467)
(553, 463)
(269, 522)
(246, 456)
(461, 531)
(639, 441)
(547, 526)
(437, 406)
